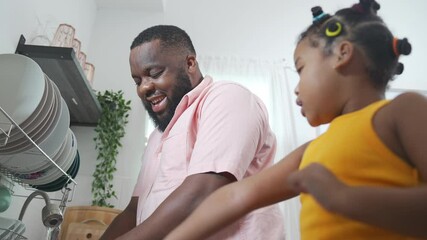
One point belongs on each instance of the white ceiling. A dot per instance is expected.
(140, 5)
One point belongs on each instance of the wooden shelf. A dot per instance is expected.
(62, 67)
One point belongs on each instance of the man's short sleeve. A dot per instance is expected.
(232, 127)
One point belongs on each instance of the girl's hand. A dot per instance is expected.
(319, 182)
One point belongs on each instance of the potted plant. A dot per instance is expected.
(109, 131)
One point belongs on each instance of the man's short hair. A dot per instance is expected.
(171, 37)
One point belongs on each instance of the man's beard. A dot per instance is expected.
(181, 87)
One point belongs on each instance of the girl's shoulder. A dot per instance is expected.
(409, 102)
(401, 124)
(410, 96)
(403, 109)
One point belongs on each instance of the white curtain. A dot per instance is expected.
(268, 80)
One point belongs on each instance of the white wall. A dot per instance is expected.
(269, 28)
(31, 18)
(254, 29)
(113, 33)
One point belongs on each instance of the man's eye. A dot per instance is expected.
(156, 74)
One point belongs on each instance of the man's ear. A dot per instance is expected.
(344, 52)
(191, 63)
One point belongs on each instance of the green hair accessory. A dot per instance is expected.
(333, 29)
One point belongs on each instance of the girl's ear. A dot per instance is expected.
(344, 52)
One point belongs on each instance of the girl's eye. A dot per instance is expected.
(137, 81)
(299, 70)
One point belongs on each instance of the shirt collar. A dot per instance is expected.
(187, 100)
(195, 92)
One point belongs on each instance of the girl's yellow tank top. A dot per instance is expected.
(352, 150)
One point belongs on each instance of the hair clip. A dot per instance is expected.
(401, 46)
(318, 15)
(333, 29)
(395, 50)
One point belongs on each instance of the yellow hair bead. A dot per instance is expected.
(334, 32)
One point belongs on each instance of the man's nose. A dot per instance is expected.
(146, 87)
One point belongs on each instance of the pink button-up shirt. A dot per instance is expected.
(217, 127)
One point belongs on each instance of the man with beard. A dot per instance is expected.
(207, 134)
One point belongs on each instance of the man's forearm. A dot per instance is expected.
(124, 222)
(120, 225)
(178, 206)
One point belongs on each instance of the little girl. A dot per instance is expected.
(365, 177)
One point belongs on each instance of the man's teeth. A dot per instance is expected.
(154, 102)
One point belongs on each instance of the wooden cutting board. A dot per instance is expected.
(82, 222)
(83, 231)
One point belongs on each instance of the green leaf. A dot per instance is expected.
(109, 131)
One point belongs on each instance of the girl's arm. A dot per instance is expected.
(234, 200)
(402, 210)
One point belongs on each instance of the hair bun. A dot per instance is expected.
(373, 5)
(318, 15)
(316, 11)
(404, 47)
(366, 7)
(399, 68)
